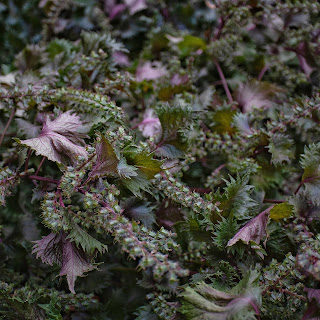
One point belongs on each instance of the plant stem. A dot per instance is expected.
(7, 125)
(27, 160)
(224, 82)
(50, 180)
(273, 201)
(39, 167)
(262, 72)
(304, 181)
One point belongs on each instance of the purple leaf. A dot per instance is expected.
(178, 79)
(254, 230)
(120, 58)
(56, 248)
(74, 263)
(49, 248)
(135, 5)
(107, 161)
(150, 71)
(150, 126)
(257, 95)
(60, 139)
(27, 128)
(313, 294)
(116, 10)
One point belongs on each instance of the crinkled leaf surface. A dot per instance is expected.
(203, 302)
(56, 248)
(311, 175)
(60, 139)
(236, 199)
(74, 263)
(85, 240)
(281, 148)
(107, 160)
(254, 230)
(255, 94)
(125, 170)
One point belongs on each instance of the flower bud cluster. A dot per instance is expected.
(93, 101)
(139, 242)
(181, 194)
(164, 309)
(196, 251)
(70, 181)
(53, 212)
(7, 179)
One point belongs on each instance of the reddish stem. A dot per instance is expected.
(262, 72)
(303, 182)
(273, 201)
(50, 180)
(27, 160)
(224, 82)
(39, 167)
(7, 125)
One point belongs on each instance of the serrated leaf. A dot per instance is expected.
(236, 199)
(107, 160)
(281, 148)
(59, 139)
(49, 248)
(311, 175)
(281, 211)
(52, 309)
(147, 165)
(254, 230)
(137, 183)
(125, 170)
(56, 248)
(174, 123)
(141, 212)
(83, 239)
(206, 303)
(74, 263)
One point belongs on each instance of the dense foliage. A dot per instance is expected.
(160, 159)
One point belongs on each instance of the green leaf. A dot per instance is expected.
(222, 120)
(147, 165)
(174, 123)
(281, 148)
(190, 44)
(281, 211)
(89, 244)
(137, 183)
(125, 170)
(203, 302)
(52, 309)
(311, 176)
(236, 199)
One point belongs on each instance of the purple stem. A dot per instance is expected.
(224, 82)
(7, 125)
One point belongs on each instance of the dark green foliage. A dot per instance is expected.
(159, 160)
